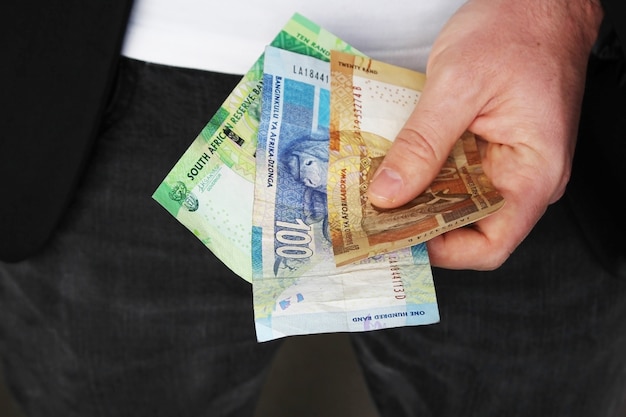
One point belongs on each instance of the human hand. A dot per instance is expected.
(512, 72)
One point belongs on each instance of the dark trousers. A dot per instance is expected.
(126, 313)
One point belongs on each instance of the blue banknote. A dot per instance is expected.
(297, 287)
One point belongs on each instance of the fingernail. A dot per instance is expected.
(386, 184)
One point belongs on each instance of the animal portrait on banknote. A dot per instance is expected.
(304, 161)
(307, 162)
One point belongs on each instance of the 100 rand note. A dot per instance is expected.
(370, 102)
(297, 287)
(210, 190)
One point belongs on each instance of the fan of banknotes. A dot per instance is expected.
(275, 186)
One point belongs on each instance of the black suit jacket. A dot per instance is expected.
(57, 72)
(59, 62)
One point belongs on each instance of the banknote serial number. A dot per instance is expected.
(295, 240)
(311, 73)
(396, 277)
(357, 108)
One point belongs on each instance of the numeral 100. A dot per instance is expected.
(295, 239)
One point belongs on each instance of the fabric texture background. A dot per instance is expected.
(126, 313)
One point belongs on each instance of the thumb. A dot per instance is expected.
(422, 146)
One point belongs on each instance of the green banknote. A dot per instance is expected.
(210, 190)
(297, 287)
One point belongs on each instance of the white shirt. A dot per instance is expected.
(230, 37)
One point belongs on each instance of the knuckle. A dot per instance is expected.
(414, 145)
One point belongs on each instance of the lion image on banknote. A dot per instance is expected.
(307, 162)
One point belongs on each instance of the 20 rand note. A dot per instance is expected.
(370, 101)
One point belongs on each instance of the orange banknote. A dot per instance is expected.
(370, 101)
